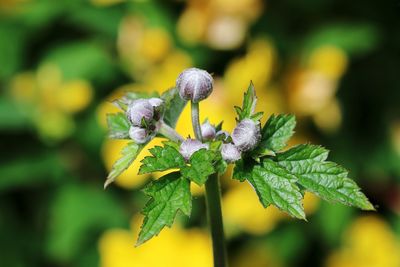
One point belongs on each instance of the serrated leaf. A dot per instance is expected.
(174, 106)
(162, 159)
(201, 166)
(249, 103)
(276, 132)
(118, 126)
(129, 154)
(168, 195)
(275, 185)
(242, 169)
(324, 178)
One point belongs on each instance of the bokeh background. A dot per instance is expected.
(335, 64)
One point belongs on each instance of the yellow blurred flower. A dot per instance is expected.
(329, 118)
(49, 101)
(329, 60)
(105, 3)
(255, 255)
(175, 247)
(395, 135)
(368, 242)
(220, 24)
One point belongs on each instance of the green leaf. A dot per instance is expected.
(118, 126)
(174, 106)
(276, 132)
(201, 166)
(275, 185)
(162, 159)
(129, 154)
(249, 104)
(168, 195)
(324, 178)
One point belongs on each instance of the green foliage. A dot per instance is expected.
(168, 195)
(162, 159)
(173, 106)
(118, 126)
(129, 154)
(276, 133)
(248, 106)
(201, 166)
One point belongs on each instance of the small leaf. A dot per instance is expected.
(118, 126)
(162, 159)
(129, 154)
(249, 103)
(276, 132)
(275, 185)
(201, 166)
(324, 178)
(168, 194)
(174, 106)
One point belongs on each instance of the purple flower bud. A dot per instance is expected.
(189, 146)
(230, 153)
(139, 109)
(207, 131)
(155, 101)
(194, 84)
(246, 135)
(139, 135)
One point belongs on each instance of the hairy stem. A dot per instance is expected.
(169, 132)
(196, 121)
(213, 200)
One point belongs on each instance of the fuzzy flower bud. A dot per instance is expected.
(139, 135)
(207, 131)
(246, 135)
(194, 84)
(230, 153)
(189, 146)
(155, 101)
(139, 109)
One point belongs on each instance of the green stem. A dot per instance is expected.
(169, 132)
(196, 121)
(213, 200)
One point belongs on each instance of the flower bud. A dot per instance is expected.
(207, 131)
(194, 84)
(155, 101)
(189, 146)
(230, 153)
(139, 135)
(138, 110)
(246, 135)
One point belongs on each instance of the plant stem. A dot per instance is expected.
(169, 132)
(213, 200)
(196, 121)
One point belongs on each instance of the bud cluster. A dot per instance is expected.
(143, 115)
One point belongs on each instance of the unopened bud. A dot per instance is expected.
(207, 131)
(138, 110)
(155, 101)
(139, 135)
(230, 153)
(189, 146)
(246, 135)
(194, 84)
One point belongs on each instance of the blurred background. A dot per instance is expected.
(335, 64)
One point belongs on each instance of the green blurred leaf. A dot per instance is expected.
(118, 126)
(129, 154)
(162, 159)
(168, 195)
(174, 106)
